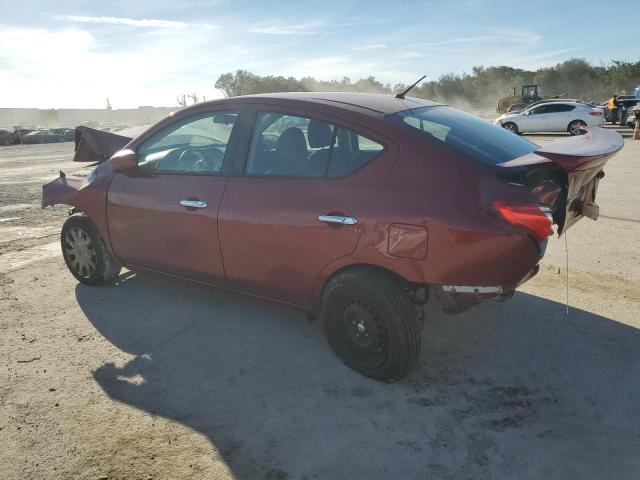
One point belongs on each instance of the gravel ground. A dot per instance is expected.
(158, 378)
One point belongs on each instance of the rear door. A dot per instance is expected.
(163, 215)
(307, 190)
(559, 116)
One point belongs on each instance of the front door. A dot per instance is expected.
(306, 194)
(536, 121)
(163, 215)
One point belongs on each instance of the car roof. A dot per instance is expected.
(567, 102)
(373, 102)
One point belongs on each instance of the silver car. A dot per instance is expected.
(566, 116)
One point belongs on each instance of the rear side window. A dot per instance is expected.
(295, 146)
(480, 140)
(560, 107)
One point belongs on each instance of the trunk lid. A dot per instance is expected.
(582, 159)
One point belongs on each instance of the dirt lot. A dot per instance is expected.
(158, 378)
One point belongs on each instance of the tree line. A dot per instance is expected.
(479, 89)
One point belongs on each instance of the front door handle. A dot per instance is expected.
(193, 203)
(338, 219)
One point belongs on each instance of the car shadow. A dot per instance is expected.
(507, 390)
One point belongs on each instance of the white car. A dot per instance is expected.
(554, 116)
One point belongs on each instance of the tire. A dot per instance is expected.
(371, 324)
(85, 252)
(512, 127)
(573, 129)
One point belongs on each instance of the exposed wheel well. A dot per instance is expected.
(417, 292)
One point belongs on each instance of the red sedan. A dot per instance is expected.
(358, 208)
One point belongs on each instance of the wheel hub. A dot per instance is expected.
(80, 252)
(365, 333)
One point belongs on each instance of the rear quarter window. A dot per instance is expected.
(465, 133)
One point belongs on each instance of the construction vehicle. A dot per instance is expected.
(530, 93)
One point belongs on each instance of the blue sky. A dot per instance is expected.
(73, 53)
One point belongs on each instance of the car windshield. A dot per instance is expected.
(480, 140)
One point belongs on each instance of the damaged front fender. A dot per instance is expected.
(88, 194)
(64, 189)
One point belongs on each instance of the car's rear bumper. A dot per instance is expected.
(458, 298)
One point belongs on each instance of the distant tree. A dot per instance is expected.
(232, 84)
(478, 90)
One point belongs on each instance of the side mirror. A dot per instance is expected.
(124, 160)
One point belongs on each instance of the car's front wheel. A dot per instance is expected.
(575, 127)
(85, 252)
(371, 324)
(512, 127)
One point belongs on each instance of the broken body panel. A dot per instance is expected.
(88, 194)
(582, 158)
(430, 221)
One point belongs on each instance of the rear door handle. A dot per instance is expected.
(338, 219)
(193, 203)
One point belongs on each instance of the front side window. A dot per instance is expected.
(478, 139)
(539, 110)
(295, 146)
(193, 145)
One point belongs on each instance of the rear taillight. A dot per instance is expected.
(596, 113)
(537, 219)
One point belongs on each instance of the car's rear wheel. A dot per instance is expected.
(512, 127)
(371, 324)
(575, 127)
(85, 252)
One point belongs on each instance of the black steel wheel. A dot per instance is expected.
(85, 253)
(365, 332)
(371, 324)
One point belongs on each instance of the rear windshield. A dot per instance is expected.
(480, 140)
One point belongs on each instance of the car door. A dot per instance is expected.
(163, 214)
(559, 116)
(537, 120)
(307, 190)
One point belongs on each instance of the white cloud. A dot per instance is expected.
(132, 22)
(375, 46)
(538, 60)
(148, 73)
(295, 29)
(499, 35)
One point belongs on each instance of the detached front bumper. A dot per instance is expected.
(458, 298)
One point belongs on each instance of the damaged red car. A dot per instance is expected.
(358, 208)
